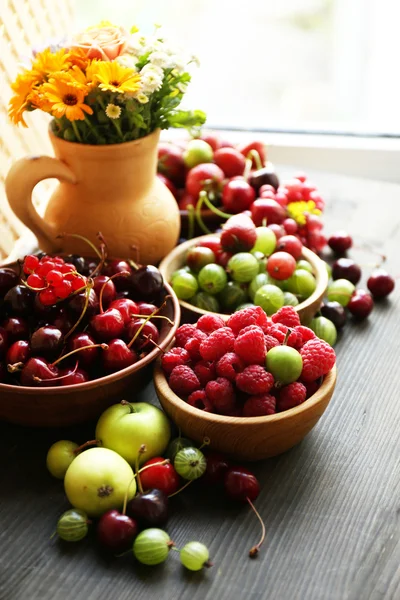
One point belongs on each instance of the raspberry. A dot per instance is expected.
(217, 344)
(193, 345)
(270, 342)
(259, 406)
(183, 380)
(250, 345)
(306, 333)
(312, 387)
(255, 380)
(279, 331)
(209, 323)
(198, 399)
(183, 334)
(173, 358)
(287, 316)
(291, 395)
(229, 365)
(221, 394)
(318, 359)
(247, 316)
(205, 371)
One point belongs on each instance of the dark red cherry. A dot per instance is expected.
(149, 331)
(107, 325)
(88, 356)
(72, 376)
(16, 328)
(42, 311)
(76, 303)
(346, 268)
(4, 341)
(146, 309)
(217, 467)
(8, 279)
(116, 532)
(380, 283)
(62, 321)
(160, 477)
(118, 356)
(241, 484)
(340, 242)
(117, 266)
(360, 304)
(18, 352)
(263, 176)
(109, 291)
(37, 372)
(150, 509)
(147, 282)
(19, 301)
(126, 308)
(47, 341)
(78, 262)
(335, 313)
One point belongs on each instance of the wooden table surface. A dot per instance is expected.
(331, 505)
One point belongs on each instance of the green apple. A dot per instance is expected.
(60, 456)
(126, 427)
(196, 153)
(97, 481)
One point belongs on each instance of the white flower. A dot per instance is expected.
(160, 59)
(182, 87)
(154, 69)
(142, 98)
(136, 44)
(127, 60)
(150, 82)
(113, 111)
(178, 64)
(195, 59)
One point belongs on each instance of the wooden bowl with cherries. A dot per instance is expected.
(90, 316)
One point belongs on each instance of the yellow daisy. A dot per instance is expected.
(78, 57)
(47, 62)
(115, 78)
(65, 99)
(22, 86)
(75, 77)
(299, 210)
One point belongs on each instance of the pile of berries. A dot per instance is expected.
(244, 266)
(209, 173)
(252, 366)
(91, 316)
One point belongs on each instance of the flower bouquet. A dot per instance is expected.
(105, 86)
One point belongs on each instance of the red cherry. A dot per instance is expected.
(186, 201)
(281, 265)
(360, 304)
(213, 242)
(231, 161)
(168, 183)
(107, 325)
(109, 291)
(47, 341)
(290, 244)
(88, 356)
(19, 351)
(380, 283)
(241, 484)
(346, 268)
(146, 309)
(265, 208)
(37, 372)
(161, 477)
(170, 163)
(71, 376)
(117, 266)
(16, 329)
(294, 189)
(206, 176)
(238, 234)
(213, 140)
(116, 531)
(118, 356)
(217, 467)
(126, 307)
(290, 226)
(149, 331)
(340, 242)
(237, 195)
(259, 147)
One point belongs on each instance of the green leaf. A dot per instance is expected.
(187, 118)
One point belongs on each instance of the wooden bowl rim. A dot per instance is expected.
(162, 387)
(321, 275)
(106, 379)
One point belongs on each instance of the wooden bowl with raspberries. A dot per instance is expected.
(254, 385)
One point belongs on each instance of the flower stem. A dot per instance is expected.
(76, 131)
(92, 129)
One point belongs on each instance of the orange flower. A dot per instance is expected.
(78, 57)
(48, 62)
(65, 99)
(115, 78)
(75, 77)
(22, 86)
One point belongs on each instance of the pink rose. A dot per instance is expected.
(105, 43)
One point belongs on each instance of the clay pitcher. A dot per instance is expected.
(112, 189)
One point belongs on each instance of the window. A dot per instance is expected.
(297, 65)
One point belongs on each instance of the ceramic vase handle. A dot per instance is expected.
(19, 184)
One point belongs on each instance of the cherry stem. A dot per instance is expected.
(88, 290)
(81, 237)
(199, 219)
(145, 321)
(36, 378)
(191, 220)
(154, 317)
(181, 488)
(86, 445)
(247, 168)
(254, 155)
(142, 449)
(150, 339)
(164, 462)
(126, 494)
(26, 284)
(100, 265)
(254, 550)
(15, 367)
(102, 346)
(120, 274)
(204, 198)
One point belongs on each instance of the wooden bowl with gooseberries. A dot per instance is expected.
(246, 438)
(190, 313)
(59, 406)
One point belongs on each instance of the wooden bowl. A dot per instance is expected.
(190, 314)
(72, 404)
(252, 438)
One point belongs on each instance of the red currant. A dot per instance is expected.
(63, 290)
(48, 296)
(30, 263)
(54, 277)
(35, 281)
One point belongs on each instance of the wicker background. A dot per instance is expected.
(24, 24)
